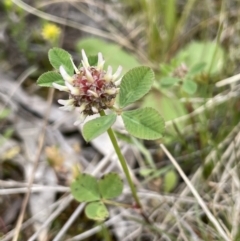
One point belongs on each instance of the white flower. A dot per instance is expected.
(91, 89)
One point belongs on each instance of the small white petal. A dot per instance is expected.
(67, 105)
(92, 93)
(80, 120)
(66, 102)
(117, 74)
(75, 67)
(100, 61)
(65, 75)
(89, 76)
(82, 107)
(85, 59)
(85, 66)
(94, 109)
(73, 90)
(60, 87)
(109, 70)
(118, 82)
(108, 75)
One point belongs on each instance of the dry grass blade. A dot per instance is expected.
(196, 195)
(215, 101)
(9, 191)
(93, 231)
(228, 81)
(31, 220)
(21, 79)
(112, 35)
(61, 207)
(63, 21)
(116, 38)
(69, 222)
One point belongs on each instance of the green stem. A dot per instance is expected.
(123, 163)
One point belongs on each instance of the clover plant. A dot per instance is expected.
(92, 90)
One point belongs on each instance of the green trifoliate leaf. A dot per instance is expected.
(58, 57)
(135, 84)
(48, 78)
(144, 123)
(96, 211)
(168, 81)
(110, 186)
(85, 188)
(96, 127)
(189, 86)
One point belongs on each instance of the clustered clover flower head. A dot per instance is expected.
(91, 89)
